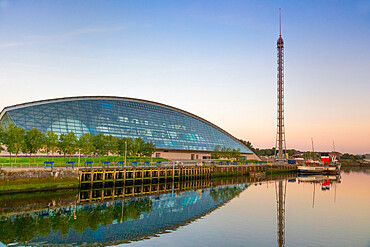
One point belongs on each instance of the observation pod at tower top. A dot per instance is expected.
(280, 42)
(169, 128)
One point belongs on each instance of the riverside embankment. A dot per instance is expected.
(38, 179)
(19, 203)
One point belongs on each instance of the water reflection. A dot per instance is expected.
(116, 221)
(280, 188)
(286, 211)
(326, 182)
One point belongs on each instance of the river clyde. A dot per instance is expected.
(314, 212)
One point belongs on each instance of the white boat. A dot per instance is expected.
(317, 178)
(318, 169)
(325, 166)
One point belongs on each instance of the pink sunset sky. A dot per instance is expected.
(215, 60)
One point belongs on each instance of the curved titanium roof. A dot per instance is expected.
(18, 107)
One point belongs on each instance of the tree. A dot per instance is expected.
(25, 149)
(2, 139)
(125, 144)
(62, 145)
(249, 145)
(33, 142)
(72, 143)
(129, 145)
(14, 140)
(291, 152)
(311, 155)
(148, 149)
(216, 153)
(112, 145)
(67, 144)
(223, 152)
(51, 143)
(235, 153)
(358, 157)
(100, 144)
(122, 145)
(137, 147)
(345, 156)
(85, 145)
(228, 154)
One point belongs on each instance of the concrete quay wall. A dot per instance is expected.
(31, 173)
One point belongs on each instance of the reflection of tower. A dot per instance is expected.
(280, 202)
(280, 135)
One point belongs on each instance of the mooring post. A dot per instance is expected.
(173, 187)
(173, 171)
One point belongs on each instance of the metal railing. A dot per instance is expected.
(129, 164)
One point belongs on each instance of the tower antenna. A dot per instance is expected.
(313, 149)
(280, 20)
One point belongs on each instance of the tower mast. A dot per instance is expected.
(280, 191)
(280, 135)
(280, 138)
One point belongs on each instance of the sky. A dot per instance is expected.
(215, 59)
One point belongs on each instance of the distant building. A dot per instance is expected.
(297, 155)
(177, 134)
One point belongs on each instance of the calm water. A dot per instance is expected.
(317, 213)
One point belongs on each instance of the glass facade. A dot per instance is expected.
(166, 127)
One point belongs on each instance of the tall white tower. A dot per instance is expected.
(280, 135)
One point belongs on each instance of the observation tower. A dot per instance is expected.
(280, 135)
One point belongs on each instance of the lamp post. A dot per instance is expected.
(125, 152)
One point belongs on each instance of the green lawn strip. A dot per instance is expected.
(240, 162)
(25, 161)
(37, 184)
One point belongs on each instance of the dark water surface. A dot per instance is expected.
(304, 211)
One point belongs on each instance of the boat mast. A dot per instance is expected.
(313, 150)
(313, 196)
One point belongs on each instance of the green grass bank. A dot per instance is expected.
(37, 184)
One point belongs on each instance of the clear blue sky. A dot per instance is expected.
(216, 59)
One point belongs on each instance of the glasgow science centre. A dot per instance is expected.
(177, 134)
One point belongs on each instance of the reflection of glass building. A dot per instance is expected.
(176, 133)
(114, 222)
